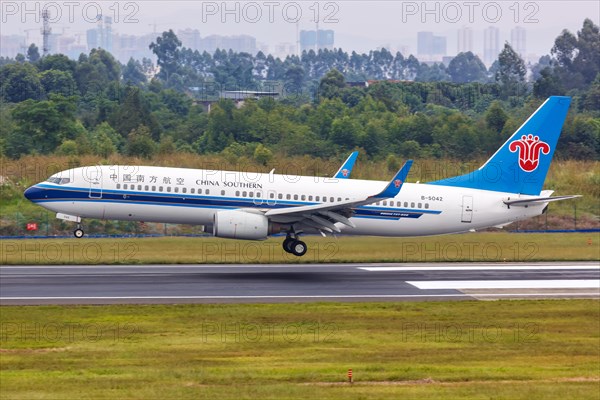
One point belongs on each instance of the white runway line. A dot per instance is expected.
(362, 296)
(485, 268)
(510, 284)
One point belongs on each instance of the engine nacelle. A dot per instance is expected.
(236, 224)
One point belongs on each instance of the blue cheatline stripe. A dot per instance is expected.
(59, 194)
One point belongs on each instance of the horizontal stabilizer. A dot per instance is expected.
(527, 202)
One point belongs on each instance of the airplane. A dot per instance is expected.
(254, 206)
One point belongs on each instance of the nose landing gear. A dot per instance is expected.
(78, 232)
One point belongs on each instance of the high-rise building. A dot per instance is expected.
(318, 39)
(430, 47)
(518, 40)
(190, 38)
(12, 45)
(491, 44)
(101, 37)
(239, 43)
(464, 41)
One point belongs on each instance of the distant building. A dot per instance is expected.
(430, 47)
(239, 43)
(126, 46)
(491, 44)
(102, 36)
(283, 50)
(315, 40)
(12, 45)
(464, 40)
(518, 40)
(190, 38)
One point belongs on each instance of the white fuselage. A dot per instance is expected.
(192, 196)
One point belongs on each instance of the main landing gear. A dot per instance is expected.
(294, 246)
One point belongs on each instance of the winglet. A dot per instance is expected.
(393, 188)
(346, 168)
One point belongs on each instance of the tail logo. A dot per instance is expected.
(345, 173)
(397, 183)
(529, 148)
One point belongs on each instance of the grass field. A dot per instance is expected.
(501, 349)
(490, 247)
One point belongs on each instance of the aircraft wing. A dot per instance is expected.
(346, 168)
(323, 216)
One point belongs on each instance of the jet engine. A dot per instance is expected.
(235, 224)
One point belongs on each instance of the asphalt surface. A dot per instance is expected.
(104, 284)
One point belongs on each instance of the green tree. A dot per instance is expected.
(56, 81)
(58, 62)
(43, 125)
(19, 82)
(33, 53)
(294, 77)
(467, 67)
(511, 72)
(167, 50)
(133, 73)
(332, 84)
(496, 117)
(105, 140)
(548, 84)
(140, 143)
(262, 155)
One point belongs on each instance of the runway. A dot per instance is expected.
(148, 284)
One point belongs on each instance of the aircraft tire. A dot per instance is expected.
(299, 248)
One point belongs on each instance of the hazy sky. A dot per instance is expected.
(358, 25)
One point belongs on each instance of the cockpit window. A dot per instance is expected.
(58, 181)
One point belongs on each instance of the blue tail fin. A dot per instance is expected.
(521, 164)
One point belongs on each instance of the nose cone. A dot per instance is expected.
(33, 193)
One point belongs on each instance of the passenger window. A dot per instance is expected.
(419, 205)
(339, 199)
(287, 196)
(176, 189)
(160, 188)
(412, 205)
(303, 197)
(146, 188)
(331, 199)
(295, 197)
(154, 188)
(207, 191)
(222, 193)
(184, 190)
(280, 196)
(272, 195)
(250, 194)
(317, 198)
(192, 190)
(406, 204)
(309, 198)
(125, 186)
(426, 206)
(385, 203)
(199, 191)
(169, 189)
(139, 187)
(244, 194)
(118, 186)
